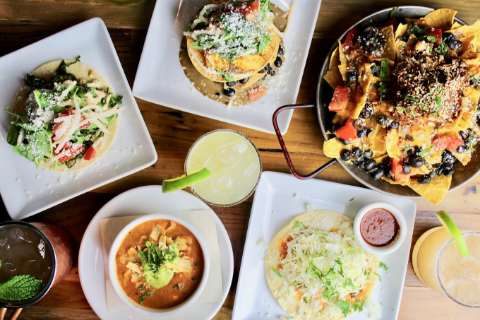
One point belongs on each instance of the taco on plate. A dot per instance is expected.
(64, 117)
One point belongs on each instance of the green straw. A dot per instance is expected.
(185, 180)
(457, 235)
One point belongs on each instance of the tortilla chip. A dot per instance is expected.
(467, 30)
(464, 158)
(392, 143)
(333, 76)
(390, 48)
(342, 67)
(440, 18)
(456, 25)
(401, 29)
(376, 141)
(435, 191)
(366, 80)
(332, 148)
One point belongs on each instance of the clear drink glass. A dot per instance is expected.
(438, 263)
(234, 164)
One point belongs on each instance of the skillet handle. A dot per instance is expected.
(284, 146)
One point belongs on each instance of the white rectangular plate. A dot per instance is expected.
(278, 199)
(27, 190)
(160, 78)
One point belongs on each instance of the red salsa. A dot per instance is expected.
(378, 227)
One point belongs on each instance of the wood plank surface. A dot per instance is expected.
(23, 22)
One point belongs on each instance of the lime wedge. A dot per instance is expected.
(185, 180)
(457, 235)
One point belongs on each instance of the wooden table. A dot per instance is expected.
(22, 22)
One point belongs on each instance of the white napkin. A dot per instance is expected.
(212, 293)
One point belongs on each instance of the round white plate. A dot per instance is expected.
(145, 200)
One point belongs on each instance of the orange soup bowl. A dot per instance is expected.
(177, 252)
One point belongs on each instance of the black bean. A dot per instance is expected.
(229, 92)
(368, 154)
(447, 157)
(377, 174)
(462, 148)
(451, 41)
(367, 111)
(352, 75)
(231, 83)
(375, 69)
(362, 132)
(464, 135)
(424, 178)
(406, 168)
(383, 120)
(278, 62)
(281, 51)
(345, 154)
(417, 162)
(393, 125)
(243, 81)
(356, 153)
(369, 164)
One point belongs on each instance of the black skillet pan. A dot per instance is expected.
(324, 95)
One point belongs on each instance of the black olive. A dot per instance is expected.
(368, 154)
(406, 168)
(424, 178)
(243, 81)
(229, 92)
(417, 162)
(393, 125)
(369, 164)
(383, 120)
(231, 83)
(362, 132)
(377, 174)
(356, 153)
(367, 111)
(278, 62)
(462, 148)
(447, 157)
(345, 154)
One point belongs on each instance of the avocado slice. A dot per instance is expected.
(160, 278)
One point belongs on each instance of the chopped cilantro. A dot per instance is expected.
(441, 49)
(431, 38)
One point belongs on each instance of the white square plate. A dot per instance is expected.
(160, 78)
(27, 190)
(279, 198)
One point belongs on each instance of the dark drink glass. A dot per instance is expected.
(36, 249)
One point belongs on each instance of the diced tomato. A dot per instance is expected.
(447, 141)
(90, 153)
(349, 38)
(347, 132)
(256, 93)
(397, 170)
(248, 7)
(437, 33)
(340, 99)
(69, 151)
(284, 246)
